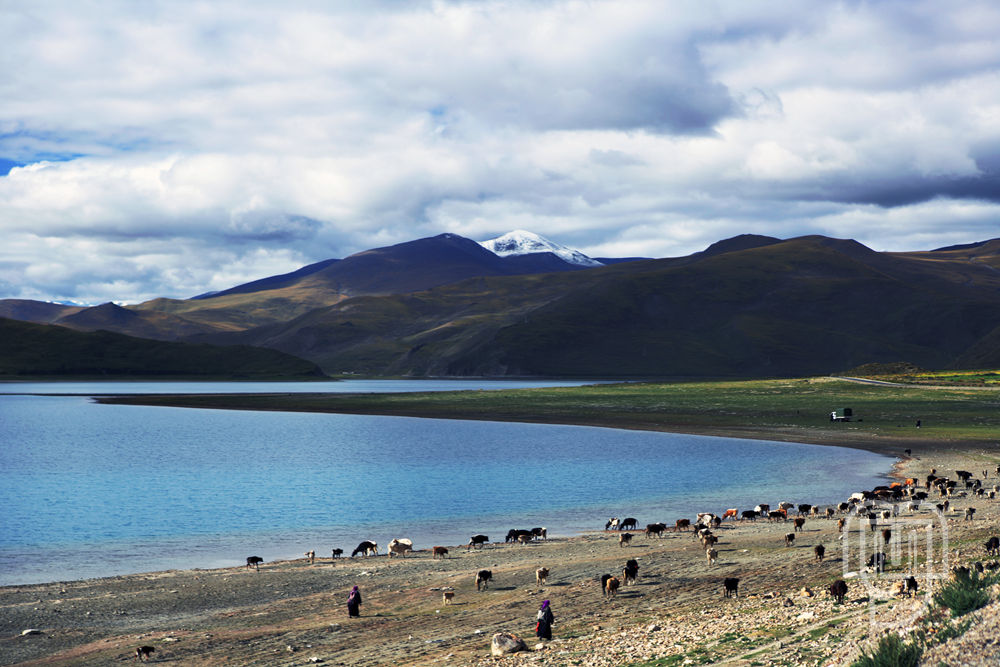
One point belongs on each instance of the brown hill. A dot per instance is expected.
(802, 306)
(746, 306)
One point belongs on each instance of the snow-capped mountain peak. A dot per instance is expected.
(520, 242)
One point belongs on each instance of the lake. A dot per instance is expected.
(94, 490)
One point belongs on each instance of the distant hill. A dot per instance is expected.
(811, 305)
(399, 269)
(28, 349)
(746, 306)
(40, 312)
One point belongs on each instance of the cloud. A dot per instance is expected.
(168, 149)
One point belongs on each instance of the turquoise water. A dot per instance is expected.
(96, 490)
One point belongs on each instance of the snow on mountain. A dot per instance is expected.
(520, 242)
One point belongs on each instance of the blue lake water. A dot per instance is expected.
(97, 490)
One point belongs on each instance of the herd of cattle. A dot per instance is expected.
(882, 502)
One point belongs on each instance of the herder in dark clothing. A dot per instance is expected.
(545, 620)
(354, 602)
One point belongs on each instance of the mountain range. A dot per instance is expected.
(522, 305)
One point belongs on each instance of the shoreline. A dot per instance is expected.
(277, 545)
(292, 611)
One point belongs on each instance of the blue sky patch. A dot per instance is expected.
(6, 165)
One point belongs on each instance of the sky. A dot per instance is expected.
(167, 149)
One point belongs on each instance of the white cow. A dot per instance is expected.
(400, 547)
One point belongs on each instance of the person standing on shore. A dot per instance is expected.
(543, 630)
(354, 602)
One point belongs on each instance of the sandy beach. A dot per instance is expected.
(294, 612)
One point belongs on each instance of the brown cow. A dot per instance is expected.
(439, 551)
(838, 590)
(541, 575)
(611, 587)
(820, 551)
(799, 522)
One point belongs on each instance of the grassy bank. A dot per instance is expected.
(798, 409)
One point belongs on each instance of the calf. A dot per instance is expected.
(337, 553)
(516, 535)
(630, 572)
(911, 585)
(624, 538)
(886, 535)
(311, 557)
(255, 561)
(877, 561)
(144, 652)
(993, 546)
(838, 590)
(611, 587)
(840, 524)
(541, 575)
(731, 587)
(448, 596)
(969, 512)
(712, 555)
(483, 578)
(366, 548)
(439, 551)
(789, 539)
(820, 552)
(799, 523)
